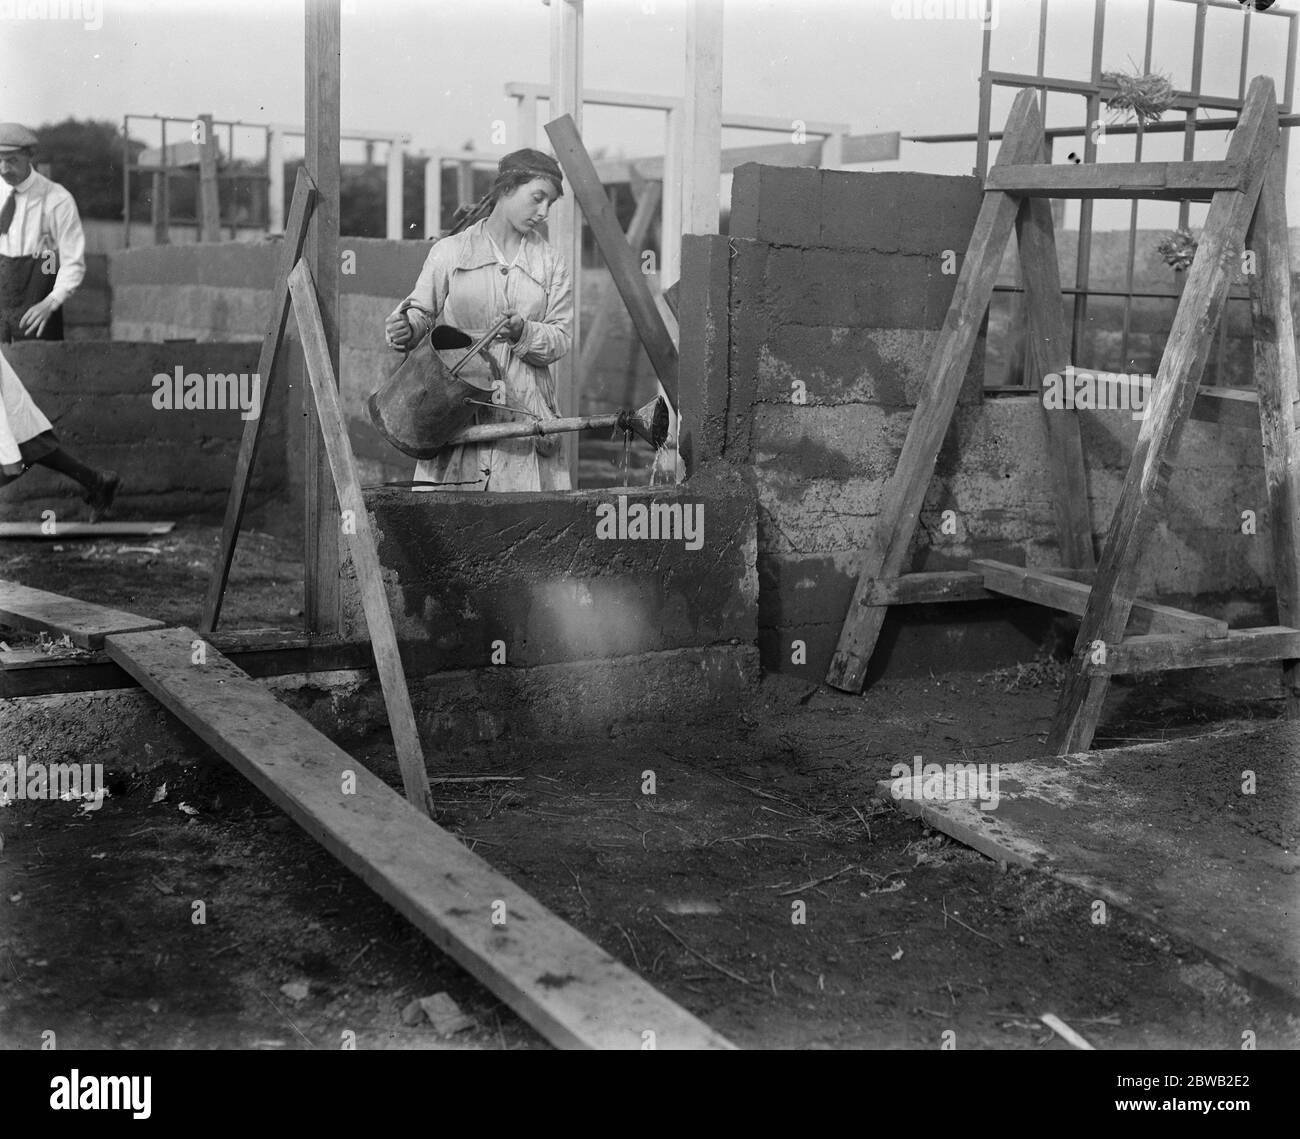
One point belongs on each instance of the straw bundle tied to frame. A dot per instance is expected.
(1178, 249)
(1143, 97)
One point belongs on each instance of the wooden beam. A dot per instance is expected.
(1278, 390)
(321, 252)
(304, 199)
(1181, 367)
(1047, 343)
(624, 266)
(58, 531)
(901, 502)
(209, 199)
(637, 228)
(670, 223)
(565, 222)
(861, 148)
(564, 985)
(927, 588)
(1167, 652)
(1041, 587)
(82, 622)
(702, 163)
(355, 523)
(1171, 181)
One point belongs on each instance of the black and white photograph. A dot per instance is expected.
(731, 525)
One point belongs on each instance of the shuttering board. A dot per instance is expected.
(567, 987)
(84, 623)
(1168, 831)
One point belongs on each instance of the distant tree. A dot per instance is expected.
(86, 157)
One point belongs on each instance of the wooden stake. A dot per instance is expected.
(304, 198)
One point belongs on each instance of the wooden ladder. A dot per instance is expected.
(1246, 193)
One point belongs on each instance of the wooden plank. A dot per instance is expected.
(304, 199)
(1047, 343)
(901, 503)
(1042, 588)
(361, 542)
(637, 228)
(702, 152)
(924, 588)
(566, 23)
(1116, 824)
(882, 146)
(321, 252)
(1160, 652)
(1181, 367)
(624, 267)
(1172, 181)
(564, 985)
(84, 623)
(1278, 389)
(57, 531)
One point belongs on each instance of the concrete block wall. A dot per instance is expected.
(173, 463)
(222, 292)
(811, 328)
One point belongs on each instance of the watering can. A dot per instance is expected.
(429, 398)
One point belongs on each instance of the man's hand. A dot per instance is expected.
(35, 319)
(398, 330)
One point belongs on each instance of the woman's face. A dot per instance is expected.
(528, 205)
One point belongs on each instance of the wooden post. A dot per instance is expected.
(393, 228)
(1167, 412)
(1048, 351)
(304, 197)
(1278, 389)
(320, 251)
(565, 221)
(702, 172)
(901, 503)
(433, 197)
(670, 218)
(209, 199)
(275, 180)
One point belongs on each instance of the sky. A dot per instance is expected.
(436, 69)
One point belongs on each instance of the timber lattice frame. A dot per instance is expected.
(1247, 208)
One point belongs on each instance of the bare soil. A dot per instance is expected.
(905, 934)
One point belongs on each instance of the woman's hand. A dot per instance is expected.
(398, 330)
(514, 328)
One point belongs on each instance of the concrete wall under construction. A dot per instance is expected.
(811, 328)
(175, 461)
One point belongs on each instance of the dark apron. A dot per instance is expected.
(22, 284)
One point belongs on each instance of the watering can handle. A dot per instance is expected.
(479, 345)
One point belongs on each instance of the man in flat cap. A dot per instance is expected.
(42, 247)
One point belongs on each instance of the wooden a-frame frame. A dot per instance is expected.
(1247, 206)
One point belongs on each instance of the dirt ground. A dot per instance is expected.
(906, 935)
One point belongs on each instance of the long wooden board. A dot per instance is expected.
(1165, 652)
(1279, 387)
(361, 540)
(84, 623)
(1181, 367)
(624, 265)
(1072, 597)
(903, 496)
(1175, 181)
(1115, 824)
(304, 197)
(564, 985)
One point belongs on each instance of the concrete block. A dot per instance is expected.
(898, 211)
(749, 320)
(781, 205)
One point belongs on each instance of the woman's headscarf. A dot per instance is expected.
(515, 169)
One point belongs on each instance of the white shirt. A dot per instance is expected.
(45, 218)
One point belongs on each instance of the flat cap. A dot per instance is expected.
(15, 136)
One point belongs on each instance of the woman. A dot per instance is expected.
(27, 438)
(496, 263)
